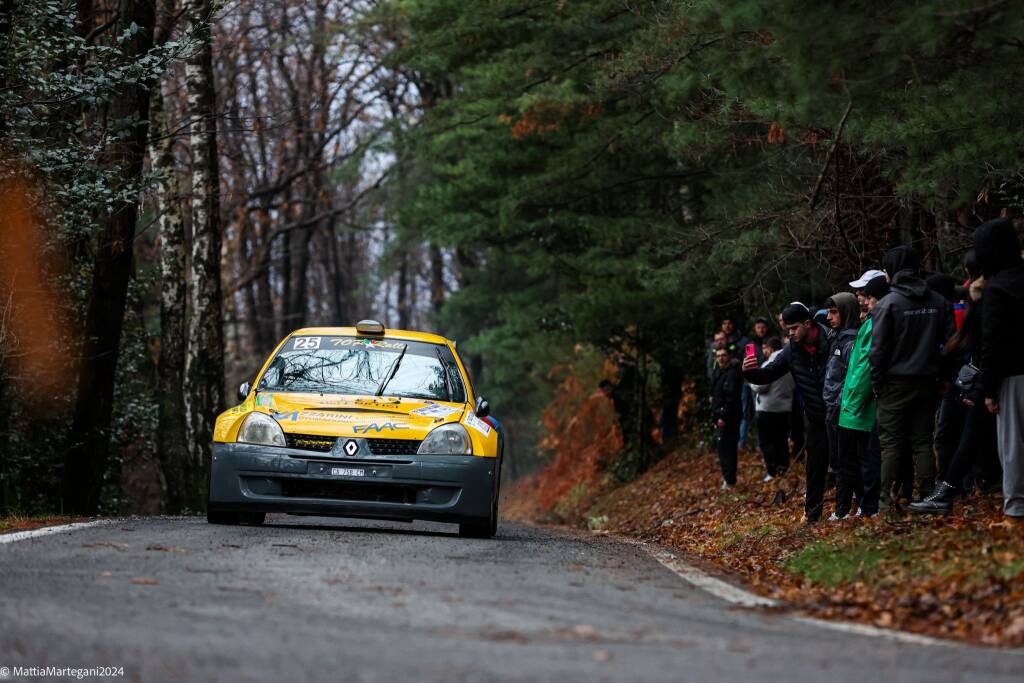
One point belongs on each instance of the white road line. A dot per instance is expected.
(47, 530)
(738, 596)
(716, 587)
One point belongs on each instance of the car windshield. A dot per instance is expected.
(365, 367)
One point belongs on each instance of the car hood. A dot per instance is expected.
(369, 416)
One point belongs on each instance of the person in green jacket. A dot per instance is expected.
(860, 458)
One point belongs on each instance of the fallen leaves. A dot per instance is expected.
(960, 576)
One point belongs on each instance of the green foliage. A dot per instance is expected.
(56, 133)
(616, 174)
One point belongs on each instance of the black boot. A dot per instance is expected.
(939, 502)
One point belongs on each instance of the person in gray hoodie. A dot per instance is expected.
(997, 247)
(843, 317)
(909, 327)
(773, 403)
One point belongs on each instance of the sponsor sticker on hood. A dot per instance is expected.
(478, 424)
(434, 410)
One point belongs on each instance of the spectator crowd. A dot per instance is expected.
(901, 394)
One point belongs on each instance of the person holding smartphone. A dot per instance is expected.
(804, 357)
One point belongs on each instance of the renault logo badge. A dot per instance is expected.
(351, 447)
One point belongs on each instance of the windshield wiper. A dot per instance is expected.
(394, 371)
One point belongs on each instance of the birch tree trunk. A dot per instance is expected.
(204, 355)
(172, 450)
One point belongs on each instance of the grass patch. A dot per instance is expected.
(824, 563)
(18, 522)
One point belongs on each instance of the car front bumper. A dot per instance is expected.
(441, 488)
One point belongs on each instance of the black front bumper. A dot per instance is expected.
(440, 488)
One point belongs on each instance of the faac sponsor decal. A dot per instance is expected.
(378, 428)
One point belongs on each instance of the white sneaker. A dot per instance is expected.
(726, 486)
(835, 518)
(767, 478)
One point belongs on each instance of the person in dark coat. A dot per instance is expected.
(805, 357)
(909, 327)
(726, 412)
(976, 433)
(997, 248)
(844, 318)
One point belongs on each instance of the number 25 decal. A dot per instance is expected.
(307, 343)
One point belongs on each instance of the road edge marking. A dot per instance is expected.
(47, 530)
(739, 596)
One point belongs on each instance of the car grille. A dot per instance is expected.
(310, 442)
(344, 490)
(394, 446)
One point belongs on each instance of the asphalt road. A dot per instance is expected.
(175, 599)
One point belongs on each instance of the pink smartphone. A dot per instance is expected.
(750, 351)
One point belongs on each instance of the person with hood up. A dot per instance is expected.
(997, 249)
(804, 357)
(859, 450)
(844, 318)
(726, 412)
(909, 327)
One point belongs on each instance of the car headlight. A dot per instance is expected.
(262, 429)
(450, 439)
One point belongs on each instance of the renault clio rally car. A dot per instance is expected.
(358, 422)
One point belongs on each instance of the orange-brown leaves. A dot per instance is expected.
(957, 577)
(547, 117)
(29, 331)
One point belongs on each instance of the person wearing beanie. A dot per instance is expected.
(857, 433)
(909, 327)
(997, 249)
(843, 315)
(804, 357)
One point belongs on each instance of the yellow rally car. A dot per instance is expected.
(359, 422)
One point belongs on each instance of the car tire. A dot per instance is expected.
(252, 518)
(478, 528)
(222, 517)
(488, 526)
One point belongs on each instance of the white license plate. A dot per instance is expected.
(347, 472)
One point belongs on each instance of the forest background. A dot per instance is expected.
(551, 183)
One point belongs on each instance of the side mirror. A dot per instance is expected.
(243, 391)
(482, 407)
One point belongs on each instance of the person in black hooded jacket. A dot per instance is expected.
(997, 249)
(805, 357)
(909, 327)
(843, 317)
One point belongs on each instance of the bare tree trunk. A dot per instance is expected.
(86, 460)
(172, 451)
(403, 293)
(436, 278)
(204, 358)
